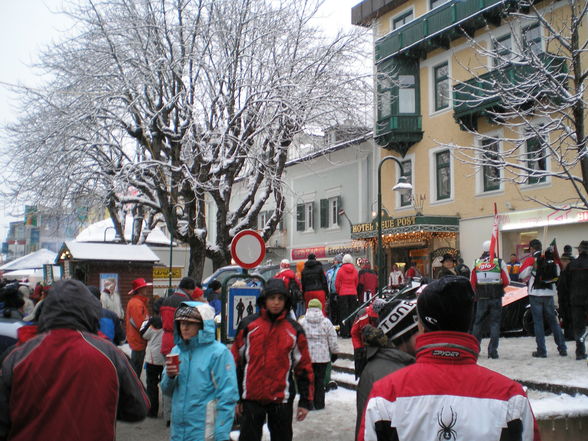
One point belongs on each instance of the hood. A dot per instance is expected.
(206, 334)
(70, 305)
(390, 354)
(314, 315)
(347, 268)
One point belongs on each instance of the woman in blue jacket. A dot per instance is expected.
(204, 385)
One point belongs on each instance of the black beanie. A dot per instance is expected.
(447, 304)
(274, 286)
(187, 283)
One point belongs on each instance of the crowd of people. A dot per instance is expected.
(416, 361)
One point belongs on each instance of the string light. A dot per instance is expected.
(415, 236)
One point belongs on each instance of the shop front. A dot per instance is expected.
(411, 238)
(325, 253)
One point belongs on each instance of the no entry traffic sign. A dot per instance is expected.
(247, 249)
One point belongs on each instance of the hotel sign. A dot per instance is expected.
(405, 224)
(386, 224)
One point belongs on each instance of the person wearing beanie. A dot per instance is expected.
(213, 295)
(67, 382)
(203, 387)
(333, 298)
(390, 345)
(314, 281)
(456, 398)
(574, 280)
(273, 363)
(488, 280)
(322, 345)
(541, 273)
(346, 283)
(136, 314)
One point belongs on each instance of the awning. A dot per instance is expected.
(406, 225)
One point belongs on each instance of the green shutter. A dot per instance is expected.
(300, 217)
(324, 203)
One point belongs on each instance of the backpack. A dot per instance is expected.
(295, 292)
(545, 274)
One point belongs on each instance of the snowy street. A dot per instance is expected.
(338, 418)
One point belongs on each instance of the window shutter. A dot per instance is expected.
(300, 217)
(324, 203)
(339, 206)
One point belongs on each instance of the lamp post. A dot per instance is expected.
(402, 186)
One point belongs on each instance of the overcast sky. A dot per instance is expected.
(26, 26)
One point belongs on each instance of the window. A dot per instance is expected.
(490, 170)
(441, 86)
(503, 50)
(436, 3)
(443, 168)
(384, 95)
(305, 216)
(330, 212)
(402, 19)
(406, 94)
(532, 38)
(405, 199)
(536, 160)
(264, 217)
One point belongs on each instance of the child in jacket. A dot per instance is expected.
(203, 387)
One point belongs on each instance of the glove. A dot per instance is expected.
(334, 358)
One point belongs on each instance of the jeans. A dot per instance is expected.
(544, 305)
(279, 421)
(491, 308)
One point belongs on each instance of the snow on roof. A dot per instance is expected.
(103, 231)
(109, 251)
(33, 260)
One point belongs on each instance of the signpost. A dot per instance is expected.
(248, 251)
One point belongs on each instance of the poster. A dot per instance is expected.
(109, 281)
(242, 303)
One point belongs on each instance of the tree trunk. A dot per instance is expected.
(197, 257)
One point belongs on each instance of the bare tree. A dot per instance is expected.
(536, 94)
(161, 105)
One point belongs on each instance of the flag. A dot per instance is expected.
(494, 238)
(556, 258)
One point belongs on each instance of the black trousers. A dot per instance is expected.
(579, 322)
(137, 359)
(319, 370)
(347, 304)
(334, 308)
(279, 421)
(153, 373)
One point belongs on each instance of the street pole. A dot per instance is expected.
(171, 248)
(402, 186)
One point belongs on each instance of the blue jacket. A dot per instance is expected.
(205, 391)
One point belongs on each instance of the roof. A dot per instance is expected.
(107, 251)
(33, 260)
(103, 231)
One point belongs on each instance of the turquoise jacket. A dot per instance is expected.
(205, 391)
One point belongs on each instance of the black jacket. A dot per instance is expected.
(573, 282)
(313, 277)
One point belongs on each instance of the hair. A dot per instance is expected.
(535, 244)
(187, 283)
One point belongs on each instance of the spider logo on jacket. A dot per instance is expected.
(446, 433)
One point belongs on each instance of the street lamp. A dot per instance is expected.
(403, 187)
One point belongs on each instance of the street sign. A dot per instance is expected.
(247, 249)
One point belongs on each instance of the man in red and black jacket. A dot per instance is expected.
(271, 351)
(68, 383)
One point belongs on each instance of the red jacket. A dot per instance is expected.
(287, 276)
(347, 280)
(369, 317)
(167, 312)
(136, 314)
(267, 353)
(447, 395)
(368, 279)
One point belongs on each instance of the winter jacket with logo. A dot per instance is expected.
(321, 335)
(313, 277)
(347, 280)
(204, 393)
(67, 383)
(267, 353)
(446, 395)
(167, 312)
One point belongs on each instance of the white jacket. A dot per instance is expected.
(112, 303)
(153, 353)
(321, 335)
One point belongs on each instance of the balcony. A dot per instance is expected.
(398, 133)
(439, 27)
(478, 96)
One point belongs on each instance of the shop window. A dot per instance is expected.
(536, 160)
(329, 217)
(490, 171)
(441, 76)
(443, 172)
(304, 216)
(405, 199)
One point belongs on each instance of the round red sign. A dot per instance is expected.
(247, 249)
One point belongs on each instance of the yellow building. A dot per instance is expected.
(428, 56)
